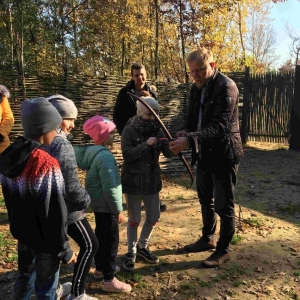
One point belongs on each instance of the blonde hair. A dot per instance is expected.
(202, 54)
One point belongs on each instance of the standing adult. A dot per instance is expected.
(213, 134)
(125, 106)
(6, 118)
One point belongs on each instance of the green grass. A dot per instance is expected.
(237, 283)
(254, 222)
(186, 287)
(8, 249)
(231, 272)
(290, 208)
(2, 203)
(236, 239)
(205, 284)
(134, 277)
(296, 273)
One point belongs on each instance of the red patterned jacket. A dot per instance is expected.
(33, 190)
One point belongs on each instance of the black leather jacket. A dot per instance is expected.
(219, 138)
(125, 106)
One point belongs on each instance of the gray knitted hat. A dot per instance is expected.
(65, 106)
(141, 108)
(38, 117)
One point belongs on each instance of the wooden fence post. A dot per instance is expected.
(246, 108)
(295, 114)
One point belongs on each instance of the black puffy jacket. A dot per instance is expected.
(141, 171)
(219, 138)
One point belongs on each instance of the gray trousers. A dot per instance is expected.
(134, 205)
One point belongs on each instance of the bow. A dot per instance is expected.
(167, 133)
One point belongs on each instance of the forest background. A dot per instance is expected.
(91, 37)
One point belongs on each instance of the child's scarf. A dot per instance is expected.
(149, 127)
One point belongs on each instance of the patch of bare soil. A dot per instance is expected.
(265, 252)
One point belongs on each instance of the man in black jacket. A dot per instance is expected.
(213, 134)
(125, 106)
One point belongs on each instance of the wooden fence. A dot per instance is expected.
(267, 107)
(265, 101)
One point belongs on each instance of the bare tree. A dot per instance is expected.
(261, 39)
(295, 37)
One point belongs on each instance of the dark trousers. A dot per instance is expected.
(107, 232)
(36, 270)
(82, 233)
(216, 195)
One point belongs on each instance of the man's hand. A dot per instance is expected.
(151, 141)
(73, 259)
(180, 144)
(180, 133)
(1, 137)
(121, 218)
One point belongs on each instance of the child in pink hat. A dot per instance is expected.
(103, 183)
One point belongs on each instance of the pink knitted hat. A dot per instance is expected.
(98, 128)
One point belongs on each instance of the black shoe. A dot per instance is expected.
(162, 207)
(200, 245)
(129, 262)
(147, 255)
(216, 259)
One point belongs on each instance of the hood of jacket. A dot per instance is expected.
(85, 155)
(13, 159)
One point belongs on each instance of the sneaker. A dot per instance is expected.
(200, 246)
(216, 259)
(63, 290)
(116, 286)
(162, 207)
(129, 262)
(83, 296)
(147, 255)
(99, 274)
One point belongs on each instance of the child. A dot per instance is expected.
(77, 199)
(103, 183)
(141, 179)
(6, 118)
(33, 190)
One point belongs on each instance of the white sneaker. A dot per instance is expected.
(63, 290)
(83, 296)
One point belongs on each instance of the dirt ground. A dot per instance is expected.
(265, 252)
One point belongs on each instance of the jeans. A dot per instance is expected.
(134, 206)
(107, 232)
(36, 270)
(82, 233)
(216, 195)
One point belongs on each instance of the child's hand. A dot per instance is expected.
(121, 218)
(73, 259)
(151, 141)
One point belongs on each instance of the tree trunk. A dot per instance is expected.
(156, 38)
(241, 33)
(182, 41)
(22, 53)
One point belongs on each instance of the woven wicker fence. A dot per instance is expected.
(97, 95)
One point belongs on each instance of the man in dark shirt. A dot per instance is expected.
(213, 134)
